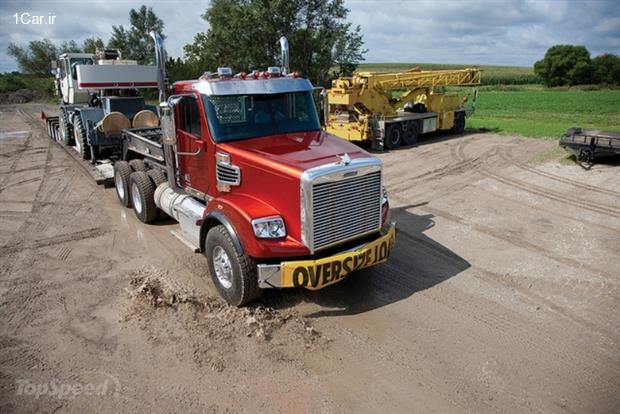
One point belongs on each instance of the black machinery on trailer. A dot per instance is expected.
(588, 145)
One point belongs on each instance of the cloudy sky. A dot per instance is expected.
(509, 32)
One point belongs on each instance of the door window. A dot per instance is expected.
(190, 116)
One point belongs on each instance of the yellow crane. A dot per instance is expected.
(390, 109)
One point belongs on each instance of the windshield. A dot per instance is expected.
(79, 61)
(236, 117)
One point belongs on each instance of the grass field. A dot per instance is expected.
(546, 113)
(491, 75)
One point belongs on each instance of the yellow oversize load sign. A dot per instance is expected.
(316, 274)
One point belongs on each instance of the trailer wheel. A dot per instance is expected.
(393, 136)
(157, 176)
(143, 196)
(81, 141)
(459, 123)
(411, 134)
(233, 274)
(122, 172)
(137, 165)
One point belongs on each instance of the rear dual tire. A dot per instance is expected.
(142, 191)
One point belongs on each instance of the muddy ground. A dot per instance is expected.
(502, 295)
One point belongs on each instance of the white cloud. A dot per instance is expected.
(511, 32)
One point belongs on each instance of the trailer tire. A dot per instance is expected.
(81, 141)
(157, 176)
(137, 165)
(234, 274)
(142, 193)
(122, 172)
(393, 136)
(412, 133)
(459, 123)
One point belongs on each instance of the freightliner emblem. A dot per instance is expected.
(345, 159)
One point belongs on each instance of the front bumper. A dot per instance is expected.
(316, 274)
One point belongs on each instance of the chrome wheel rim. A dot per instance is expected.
(135, 197)
(223, 267)
(118, 181)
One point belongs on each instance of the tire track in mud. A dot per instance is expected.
(481, 321)
(515, 241)
(603, 288)
(535, 189)
(512, 329)
(506, 155)
(549, 211)
(55, 240)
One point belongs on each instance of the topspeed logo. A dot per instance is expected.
(316, 274)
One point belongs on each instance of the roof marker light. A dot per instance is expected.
(224, 73)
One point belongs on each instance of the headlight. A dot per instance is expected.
(269, 227)
(384, 199)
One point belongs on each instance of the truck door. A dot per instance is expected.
(191, 146)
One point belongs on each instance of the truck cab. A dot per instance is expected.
(257, 186)
(67, 80)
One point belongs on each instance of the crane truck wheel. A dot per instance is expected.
(459, 123)
(233, 274)
(142, 193)
(393, 136)
(137, 165)
(122, 172)
(66, 135)
(81, 142)
(411, 134)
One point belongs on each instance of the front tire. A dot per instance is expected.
(143, 196)
(234, 274)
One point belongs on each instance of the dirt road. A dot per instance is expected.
(502, 295)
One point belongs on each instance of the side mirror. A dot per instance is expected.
(168, 128)
(53, 67)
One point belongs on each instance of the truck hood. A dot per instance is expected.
(297, 151)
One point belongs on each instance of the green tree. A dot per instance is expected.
(91, 44)
(36, 58)
(243, 34)
(135, 42)
(607, 69)
(565, 65)
(70, 46)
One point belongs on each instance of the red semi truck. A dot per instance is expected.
(271, 200)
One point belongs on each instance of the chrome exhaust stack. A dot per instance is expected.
(160, 58)
(166, 112)
(284, 56)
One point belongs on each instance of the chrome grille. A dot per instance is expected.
(344, 209)
(228, 174)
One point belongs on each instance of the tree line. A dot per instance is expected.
(572, 65)
(242, 34)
